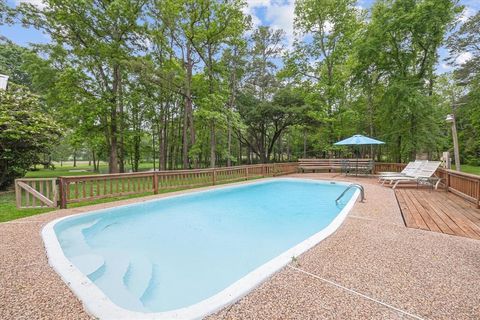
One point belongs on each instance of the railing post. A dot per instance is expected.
(63, 193)
(263, 170)
(214, 176)
(447, 180)
(478, 194)
(155, 183)
(55, 192)
(18, 194)
(246, 173)
(274, 172)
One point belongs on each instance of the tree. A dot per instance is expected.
(12, 59)
(466, 41)
(324, 62)
(25, 133)
(400, 50)
(465, 87)
(267, 120)
(97, 38)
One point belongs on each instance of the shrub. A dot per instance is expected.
(25, 133)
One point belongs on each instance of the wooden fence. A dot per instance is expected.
(51, 192)
(462, 184)
(35, 193)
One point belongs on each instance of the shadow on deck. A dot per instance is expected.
(439, 211)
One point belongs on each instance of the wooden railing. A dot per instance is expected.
(462, 184)
(93, 187)
(36, 193)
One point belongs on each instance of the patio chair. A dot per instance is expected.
(426, 172)
(366, 168)
(345, 166)
(410, 170)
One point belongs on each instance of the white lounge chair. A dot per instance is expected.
(426, 172)
(410, 170)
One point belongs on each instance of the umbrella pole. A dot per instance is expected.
(356, 171)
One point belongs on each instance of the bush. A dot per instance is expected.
(25, 133)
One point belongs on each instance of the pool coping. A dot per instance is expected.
(96, 303)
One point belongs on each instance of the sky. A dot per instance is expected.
(278, 14)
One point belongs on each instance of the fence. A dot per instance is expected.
(36, 193)
(465, 185)
(462, 184)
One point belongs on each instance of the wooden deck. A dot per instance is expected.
(439, 211)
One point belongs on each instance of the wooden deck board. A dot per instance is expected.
(421, 224)
(429, 221)
(457, 214)
(443, 222)
(438, 211)
(407, 215)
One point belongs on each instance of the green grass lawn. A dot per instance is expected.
(469, 169)
(9, 211)
(81, 169)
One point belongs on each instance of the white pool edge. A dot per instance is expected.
(99, 305)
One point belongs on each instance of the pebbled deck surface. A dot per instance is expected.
(372, 267)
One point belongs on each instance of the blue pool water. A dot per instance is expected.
(171, 253)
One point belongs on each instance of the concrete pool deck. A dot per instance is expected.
(371, 267)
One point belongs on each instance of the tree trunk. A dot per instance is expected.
(229, 144)
(163, 142)
(212, 145)
(94, 158)
(239, 156)
(112, 160)
(184, 138)
(113, 132)
(119, 98)
(136, 152)
(304, 143)
(188, 116)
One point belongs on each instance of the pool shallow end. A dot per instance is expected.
(99, 305)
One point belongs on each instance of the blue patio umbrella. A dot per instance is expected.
(357, 140)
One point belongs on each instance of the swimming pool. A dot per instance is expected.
(189, 255)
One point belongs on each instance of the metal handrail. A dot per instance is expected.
(356, 185)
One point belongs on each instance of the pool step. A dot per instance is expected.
(88, 263)
(98, 226)
(112, 282)
(149, 297)
(79, 245)
(138, 276)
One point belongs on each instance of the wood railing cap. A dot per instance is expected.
(34, 179)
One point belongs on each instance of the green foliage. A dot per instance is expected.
(397, 53)
(464, 92)
(188, 83)
(12, 59)
(25, 133)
